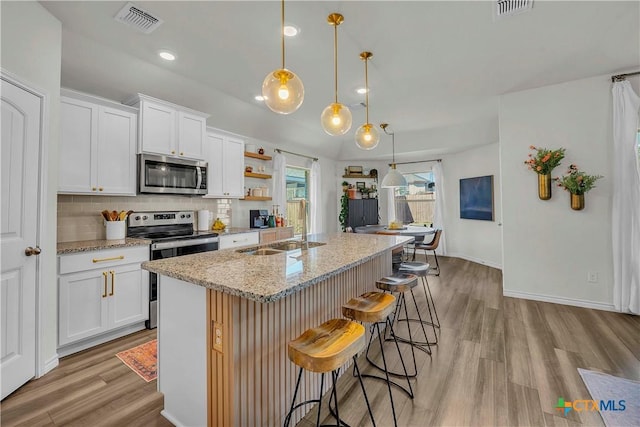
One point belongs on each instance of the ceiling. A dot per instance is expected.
(436, 76)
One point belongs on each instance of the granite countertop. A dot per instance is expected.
(267, 278)
(95, 245)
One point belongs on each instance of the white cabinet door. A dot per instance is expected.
(116, 154)
(78, 143)
(128, 295)
(234, 167)
(215, 165)
(240, 239)
(83, 305)
(158, 134)
(192, 131)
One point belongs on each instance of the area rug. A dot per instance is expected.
(624, 393)
(142, 359)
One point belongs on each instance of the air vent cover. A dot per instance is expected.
(137, 18)
(512, 7)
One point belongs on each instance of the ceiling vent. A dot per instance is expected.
(137, 18)
(506, 8)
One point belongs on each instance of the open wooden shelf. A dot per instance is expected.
(257, 198)
(257, 175)
(360, 176)
(256, 155)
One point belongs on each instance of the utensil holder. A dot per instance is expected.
(116, 230)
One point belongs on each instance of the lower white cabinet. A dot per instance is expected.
(99, 293)
(238, 239)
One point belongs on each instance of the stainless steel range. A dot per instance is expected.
(171, 234)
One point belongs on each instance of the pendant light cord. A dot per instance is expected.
(335, 58)
(282, 33)
(393, 147)
(366, 85)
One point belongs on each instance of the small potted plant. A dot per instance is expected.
(542, 163)
(577, 183)
(345, 186)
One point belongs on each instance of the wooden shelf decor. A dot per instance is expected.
(256, 198)
(257, 175)
(359, 176)
(256, 155)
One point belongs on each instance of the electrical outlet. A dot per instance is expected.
(217, 336)
(592, 277)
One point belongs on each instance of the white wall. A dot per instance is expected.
(240, 208)
(478, 241)
(549, 248)
(31, 50)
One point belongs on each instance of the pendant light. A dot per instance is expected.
(282, 90)
(336, 118)
(393, 178)
(367, 135)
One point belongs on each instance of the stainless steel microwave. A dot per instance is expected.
(169, 175)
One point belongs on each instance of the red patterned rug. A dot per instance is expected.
(142, 359)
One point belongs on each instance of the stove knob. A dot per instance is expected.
(145, 217)
(137, 217)
(188, 215)
(182, 216)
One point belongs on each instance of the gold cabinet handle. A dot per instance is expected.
(113, 283)
(93, 188)
(104, 291)
(29, 251)
(173, 151)
(108, 259)
(181, 153)
(100, 188)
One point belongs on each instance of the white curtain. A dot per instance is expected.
(626, 200)
(315, 198)
(438, 216)
(279, 182)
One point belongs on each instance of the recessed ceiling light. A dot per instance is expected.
(361, 90)
(291, 30)
(165, 54)
(259, 98)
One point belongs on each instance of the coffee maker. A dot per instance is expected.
(258, 218)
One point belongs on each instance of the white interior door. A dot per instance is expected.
(20, 140)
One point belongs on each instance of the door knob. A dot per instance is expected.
(32, 251)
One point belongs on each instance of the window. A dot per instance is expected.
(297, 189)
(415, 204)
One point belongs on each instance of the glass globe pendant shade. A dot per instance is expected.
(367, 137)
(336, 119)
(283, 91)
(393, 178)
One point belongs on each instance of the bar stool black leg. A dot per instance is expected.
(355, 363)
(293, 401)
(433, 303)
(320, 403)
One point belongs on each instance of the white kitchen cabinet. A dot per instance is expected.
(102, 295)
(238, 239)
(225, 174)
(170, 130)
(97, 146)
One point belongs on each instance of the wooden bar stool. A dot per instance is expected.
(325, 349)
(402, 283)
(421, 270)
(376, 308)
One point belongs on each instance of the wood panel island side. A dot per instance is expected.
(225, 318)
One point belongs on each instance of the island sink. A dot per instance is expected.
(278, 248)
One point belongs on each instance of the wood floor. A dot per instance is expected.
(499, 361)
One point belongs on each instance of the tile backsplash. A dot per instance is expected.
(79, 217)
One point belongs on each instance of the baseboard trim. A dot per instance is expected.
(474, 259)
(559, 300)
(170, 417)
(49, 365)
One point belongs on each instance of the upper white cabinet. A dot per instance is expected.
(225, 157)
(170, 130)
(97, 146)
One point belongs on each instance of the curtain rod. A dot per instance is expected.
(621, 77)
(315, 159)
(417, 161)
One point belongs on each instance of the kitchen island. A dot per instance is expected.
(225, 319)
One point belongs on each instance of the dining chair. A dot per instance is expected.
(432, 247)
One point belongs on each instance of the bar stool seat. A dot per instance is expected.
(376, 308)
(398, 283)
(324, 349)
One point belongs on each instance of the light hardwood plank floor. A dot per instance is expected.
(499, 361)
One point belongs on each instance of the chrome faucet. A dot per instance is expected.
(303, 214)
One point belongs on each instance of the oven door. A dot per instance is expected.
(166, 175)
(162, 250)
